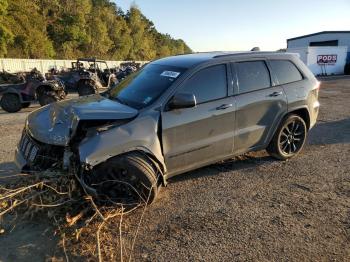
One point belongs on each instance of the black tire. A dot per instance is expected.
(25, 104)
(86, 88)
(45, 99)
(289, 138)
(11, 103)
(128, 179)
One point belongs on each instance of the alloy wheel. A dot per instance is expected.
(292, 137)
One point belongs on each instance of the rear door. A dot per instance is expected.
(195, 136)
(260, 105)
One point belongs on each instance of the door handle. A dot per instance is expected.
(224, 106)
(277, 93)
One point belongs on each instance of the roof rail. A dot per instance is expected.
(245, 53)
(203, 52)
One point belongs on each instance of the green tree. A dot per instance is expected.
(28, 27)
(117, 30)
(77, 28)
(6, 37)
(141, 40)
(68, 28)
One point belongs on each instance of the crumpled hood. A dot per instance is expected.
(55, 123)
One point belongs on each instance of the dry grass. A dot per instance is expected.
(87, 229)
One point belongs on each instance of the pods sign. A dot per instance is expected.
(326, 59)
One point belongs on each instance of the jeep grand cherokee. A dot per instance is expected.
(176, 114)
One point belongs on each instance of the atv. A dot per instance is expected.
(87, 76)
(19, 91)
(126, 69)
(6, 78)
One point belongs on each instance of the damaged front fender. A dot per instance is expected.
(141, 134)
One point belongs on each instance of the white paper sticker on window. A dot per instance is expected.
(147, 100)
(171, 74)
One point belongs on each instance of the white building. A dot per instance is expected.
(325, 53)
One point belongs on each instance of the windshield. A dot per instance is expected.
(143, 87)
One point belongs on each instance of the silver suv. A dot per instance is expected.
(176, 114)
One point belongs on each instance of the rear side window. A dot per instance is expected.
(207, 84)
(285, 71)
(252, 75)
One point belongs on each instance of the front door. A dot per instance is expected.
(196, 136)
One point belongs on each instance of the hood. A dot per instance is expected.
(56, 123)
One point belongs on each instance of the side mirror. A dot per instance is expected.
(182, 100)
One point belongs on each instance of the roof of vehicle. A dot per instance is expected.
(189, 60)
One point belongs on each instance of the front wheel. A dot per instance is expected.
(289, 138)
(11, 103)
(128, 179)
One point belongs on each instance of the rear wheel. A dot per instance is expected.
(11, 103)
(128, 179)
(86, 88)
(289, 138)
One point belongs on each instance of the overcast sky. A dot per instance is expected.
(208, 25)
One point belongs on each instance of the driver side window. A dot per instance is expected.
(208, 84)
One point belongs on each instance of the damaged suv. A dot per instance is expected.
(176, 114)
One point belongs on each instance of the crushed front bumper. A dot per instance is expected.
(32, 155)
(20, 162)
(26, 152)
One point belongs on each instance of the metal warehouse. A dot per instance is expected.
(325, 53)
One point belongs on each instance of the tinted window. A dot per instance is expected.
(285, 71)
(252, 76)
(145, 86)
(208, 84)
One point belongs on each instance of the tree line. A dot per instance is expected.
(67, 29)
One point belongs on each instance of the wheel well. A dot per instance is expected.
(304, 114)
(80, 81)
(83, 81)
(156, 163)
(43, 88)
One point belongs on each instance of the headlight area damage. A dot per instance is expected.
(98, 139)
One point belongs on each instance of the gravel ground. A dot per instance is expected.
(250, 208)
